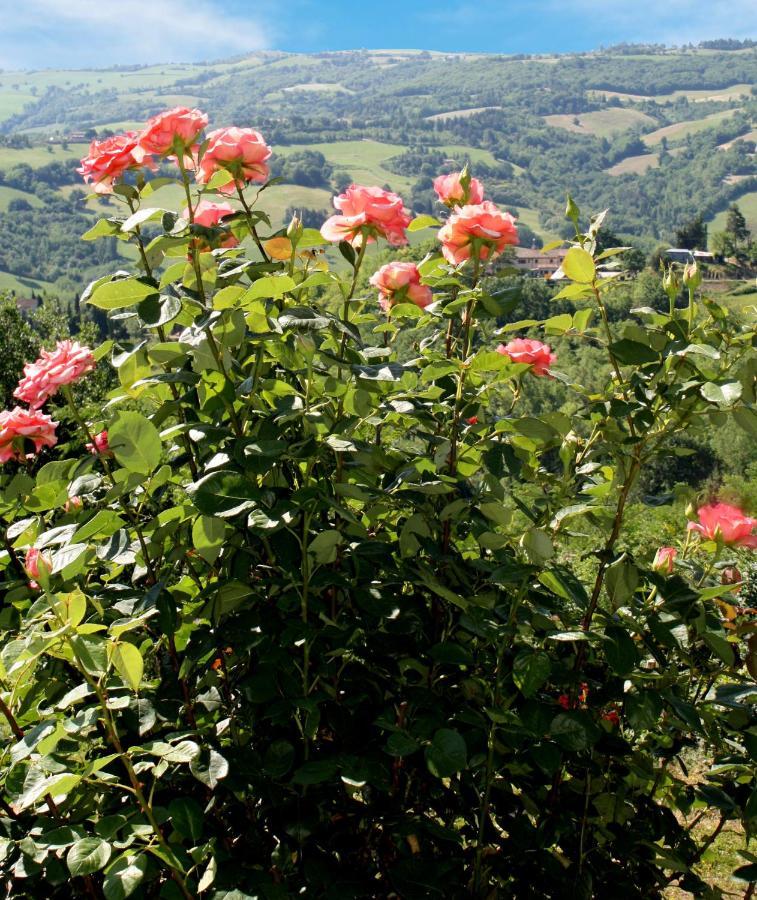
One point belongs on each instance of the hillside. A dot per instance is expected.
(657, 136)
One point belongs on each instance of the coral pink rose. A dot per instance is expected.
(370, 213)
(398, 281)
(99, 445)
(210, 215)
(664, 560)
(32, 563)
(481, 225)
(172, 131)
(720, 521)
(242, 151)
(108, 160)
(19, 425)
(54, 368)
(523, 350)
(450, 190)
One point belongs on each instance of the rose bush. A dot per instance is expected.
(308, 615)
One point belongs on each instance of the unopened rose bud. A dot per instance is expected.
(671, 284)
(294, 230)
(692, 276)
(73, 504)
(664, 560)
(571, 210)
(691, 512)
(38, 566)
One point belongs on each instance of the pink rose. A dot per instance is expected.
(451, 192)
(108, 160)
(171, 131)
(211, 215)
(370, 213)
(54, 368)
(482, 225)
(720, 521)
(242, 151)
(34, 558)
(664, 560)
(523, 350)
(73, 504)
(19, 425)
(99, 446)
(399, 281)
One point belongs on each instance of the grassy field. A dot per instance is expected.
(749, 136)
(681, 129)
(697, 96)
(22, 286)
(8, 193)
(635, 165)
(459, 113)
(40, 155)
(747, 203)
(98, 79)
(602, 123)
(530, 217)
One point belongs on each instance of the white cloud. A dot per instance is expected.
(79, 33)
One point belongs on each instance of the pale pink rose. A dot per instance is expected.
(171, 131)
(108, 160)
(401, 281)
(99, 446)
(242, 151)
(19, 425)
(211, 215)
(664, 560)
(482, 225)
(523, 350)
(451, 192)
(73, 504)
(54, 368)
(726, 523)
(370, 213)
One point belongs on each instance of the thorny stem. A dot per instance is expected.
(253, 230)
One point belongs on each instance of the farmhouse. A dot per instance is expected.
(539, 264)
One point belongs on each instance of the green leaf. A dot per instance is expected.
(579, 266)
(447, 753)
(620, 650)
(573, 731)
(135, 441)
(207, 536)
(141, 216)
(209, 770)
(102, 228)
(186, 816)
(632, 353)
(722, 394)
(128, 663)
(273, 286)
(159, 309)
(746, 418)
(223, 493)
(531, 671)
(315, 772)
(421, 222)
(88, 855)
(124, 875)
(122, 293)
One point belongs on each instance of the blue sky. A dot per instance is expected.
(82, 33)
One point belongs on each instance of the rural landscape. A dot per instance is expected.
(378, 476)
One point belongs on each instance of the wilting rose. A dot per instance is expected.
(241, 151)
(172, 131)
(524, 350)
(401, 281)
(99, 445)
(664, 560)
(211, 215)
(482, 226)
(67, 363)
(450, 190)
(108, 160)
(726, 523)
(370, 213)
(19, 425)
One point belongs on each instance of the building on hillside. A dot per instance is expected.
(27, 304)
(682, 255)
(537, 263)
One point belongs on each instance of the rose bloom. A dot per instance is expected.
(482, 223)
(211, 215)
(523, 350)
(727, 523)
(18, 424)
(108, 160)
(174, 129)
(369, 212)
(31, 565)
(99, 445)
(243, 151)
(67, 363)
(452, 193)
(664, 560)
(398, 281)
(612, 716)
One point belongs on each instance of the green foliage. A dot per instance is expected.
(320, 624)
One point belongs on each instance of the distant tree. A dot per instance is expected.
(735, 225)
(721, 244)
(692, 235)
(18, 344)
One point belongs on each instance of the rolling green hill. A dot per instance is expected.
(652, 135)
